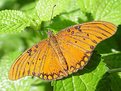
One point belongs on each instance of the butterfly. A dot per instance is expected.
(63, 53)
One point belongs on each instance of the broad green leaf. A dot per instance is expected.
(113, 61)
(110, 82)
(85, 80)
(109, 10)
(31, 13)
(105, 10)
(115, 81)
(73, 13)
(102, 84)
(45, 8)
(107, 46)
(88, 6)
(7, 4)
(13, 21)
(28, 8)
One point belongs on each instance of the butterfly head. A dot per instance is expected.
(50, 33)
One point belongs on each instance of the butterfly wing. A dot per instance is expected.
(40, 61)
(78, 42)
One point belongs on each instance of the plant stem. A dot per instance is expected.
(114, 70)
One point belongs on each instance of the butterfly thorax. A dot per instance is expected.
(54, 44)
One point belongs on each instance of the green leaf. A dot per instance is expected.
(102, 84)
(85, 80)
(88, 6)
(104, 48)
(45, 8)
(113, 62)
(31, 13)
(109, 10)
(73, 13)
(7, 4)
(105, 10)
(13, 21)
(115, 81)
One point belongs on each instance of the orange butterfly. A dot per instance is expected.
(63, 53)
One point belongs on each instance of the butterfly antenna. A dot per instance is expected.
(52, 14)
(50, 32)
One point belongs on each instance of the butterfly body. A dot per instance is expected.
(54, 44)
(63, 53)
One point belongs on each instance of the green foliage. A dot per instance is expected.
(12, 20)
(105, 10)
(44, 9)
(113, 62)
(102, 73)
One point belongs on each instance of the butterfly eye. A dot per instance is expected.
(50, 33)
